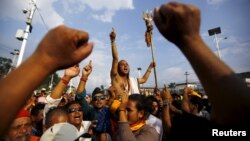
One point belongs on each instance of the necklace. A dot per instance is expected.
(126, 85)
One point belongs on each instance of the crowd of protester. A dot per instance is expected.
(121, 113)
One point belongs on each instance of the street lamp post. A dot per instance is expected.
(139, 72)
(214, 32)
(23, 35)
(217, 45)
(15, 54)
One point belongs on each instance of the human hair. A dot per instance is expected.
(196, 101)
(71, 103)
(35, 110)
(54, 112)
(97, 90)
(140, 105)
(149, 102)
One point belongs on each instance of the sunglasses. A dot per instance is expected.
(71, 110)
(95, 98)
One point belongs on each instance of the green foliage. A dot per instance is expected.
(172, 85)
(5, 64)
(47, 81)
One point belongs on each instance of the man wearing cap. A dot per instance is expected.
(96, 112)
(21, 128)
(102, 114)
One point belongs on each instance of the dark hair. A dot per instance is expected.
(140, 105)
(35, 110)
(97, 90)
(56, 111)
(71, 103)
(176, 102)
(196, 101)
(149, 102)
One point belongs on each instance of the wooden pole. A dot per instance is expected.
(147, 17)
(153, 59)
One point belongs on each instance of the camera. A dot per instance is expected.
(25, 11)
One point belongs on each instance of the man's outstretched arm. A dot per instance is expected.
(60, 48)
(114, 69)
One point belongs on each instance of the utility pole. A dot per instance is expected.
(186, 73)
(51, 82)
(23, 35)
(15, 54)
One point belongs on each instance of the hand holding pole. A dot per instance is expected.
(147, 17)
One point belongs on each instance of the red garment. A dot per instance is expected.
(23, 113)
(34, 138)
(114, 127)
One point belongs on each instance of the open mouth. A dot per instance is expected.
(125, 70)
(77, 117)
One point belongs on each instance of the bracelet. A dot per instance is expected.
(65, 82)
(165, 103)
(84, 78)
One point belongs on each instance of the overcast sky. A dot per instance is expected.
(99, 16)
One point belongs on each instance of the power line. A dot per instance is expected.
(6, 48)
(46, 27)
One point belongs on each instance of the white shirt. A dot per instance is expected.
(50, 103)
(134, 88)
(156, 123)
(84, 129)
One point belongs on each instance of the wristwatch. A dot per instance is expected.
(165, 103)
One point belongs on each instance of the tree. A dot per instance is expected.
(47, 81)
(244, 75)
(171, 86)
(5, 65)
